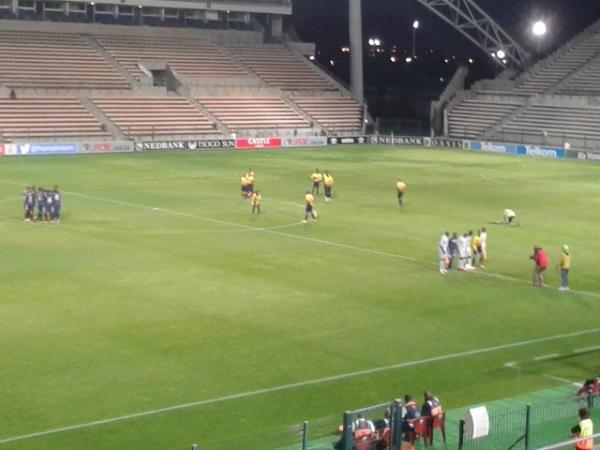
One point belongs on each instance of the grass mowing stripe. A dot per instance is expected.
(272, 230)
(285, 387)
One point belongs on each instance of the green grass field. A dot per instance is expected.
(159, 288)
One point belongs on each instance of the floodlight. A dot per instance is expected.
(416, 24)
(501, 54)
(539, 28)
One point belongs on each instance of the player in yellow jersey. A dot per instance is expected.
(309, 209)
(244, 186)
(255, 202)
(400, 188)
(328, 185)
(250, 178)
(317, 179)
(477, 250)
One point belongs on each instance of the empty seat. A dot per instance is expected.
(334, 113)
(54, 60)
(253, 112)
(138, 116)
(49, 117)
(280, 67)
(470, 118)
(189, 57)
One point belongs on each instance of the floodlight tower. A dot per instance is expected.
(356, 49)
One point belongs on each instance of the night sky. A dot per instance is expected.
(404, 90)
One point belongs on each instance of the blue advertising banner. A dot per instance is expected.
(493, 147)
(541, 152)
(46, 149)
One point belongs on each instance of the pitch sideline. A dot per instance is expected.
(290, 386)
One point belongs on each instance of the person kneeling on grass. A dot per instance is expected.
(510, 217)
(540, 257)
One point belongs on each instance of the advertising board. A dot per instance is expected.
(250, 143)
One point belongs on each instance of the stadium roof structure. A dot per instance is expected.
(480, 28)
(283, 7)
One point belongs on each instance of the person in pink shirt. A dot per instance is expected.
(540, 257)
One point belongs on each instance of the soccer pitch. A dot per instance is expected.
(159, 289)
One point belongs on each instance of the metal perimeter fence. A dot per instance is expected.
(533, 426)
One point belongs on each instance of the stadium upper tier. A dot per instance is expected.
(51, 60)
(281, 68)
(188, 57)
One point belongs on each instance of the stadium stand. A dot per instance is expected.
(253, 112)
(566, 61)
(281, 68)
(585, 81)
(54, 60)
(47, 118)
(333, 113)
(581, 122)
(471, 117)
(554, 102)
(153, 116)
(188, 57)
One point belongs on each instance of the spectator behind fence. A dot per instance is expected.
(584, 429)
(384, 422)
(362, 423)
(411, 412)
(432, 406)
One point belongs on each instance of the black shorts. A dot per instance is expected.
(400, 194)
(309, 208)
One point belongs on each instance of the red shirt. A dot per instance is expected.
(541, 259)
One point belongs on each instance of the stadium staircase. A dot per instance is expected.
(112, 61)
(96, 112)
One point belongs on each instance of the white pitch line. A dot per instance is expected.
(562, 380)
(318, 241)
(286, 387)
(306, 238)
(587, 349)
(545, 357)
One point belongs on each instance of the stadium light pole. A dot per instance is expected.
(415, 27)
(356, 49)
(539, 30)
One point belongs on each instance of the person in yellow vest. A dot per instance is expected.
(317, 178)
(478, 255)
(328, 185)
(309, 209)
(400, 188)
(244, 186)
(564, 265)
(584, 429)
(255, 202)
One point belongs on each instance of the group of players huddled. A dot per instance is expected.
(42, 205)
(467, 250)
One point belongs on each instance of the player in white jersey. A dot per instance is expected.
(462, 251)
(443, 252)
(469, 237)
